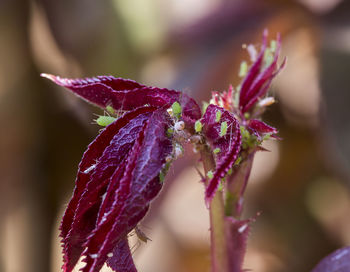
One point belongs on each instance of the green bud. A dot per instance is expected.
(205, 106)
(161, 177)
(176, 107)
(110, 110)
(245, 133)
(198, 126)
(266, 136)
(217, 150)
(210, 174)
(105, 120)
(223, 129)
(221, 185)
(268, 57)
(229, 172)
(273, 45)
(239, 159)
(218, 116)
(170, 132)
(243, 69)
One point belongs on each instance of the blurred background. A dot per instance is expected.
(301, 187)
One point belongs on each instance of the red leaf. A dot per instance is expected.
(139, 185)
(116, 192)
(99, 163)
(126, 94)
(228, 144)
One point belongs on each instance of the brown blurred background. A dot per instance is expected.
(301, 187)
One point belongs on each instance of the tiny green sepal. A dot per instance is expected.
(221, 186)
(245, 133)
(210, 174)
(266, 137)
(273, 45)
(205, 106)
(161, 177)
(218, 116)
(176, 107)
(110, 110)
(198, 126)
(170, 131)
(243, 69)
(105, 120)
(223, 129)
(239, 159)
(268, 57)
(217, 150)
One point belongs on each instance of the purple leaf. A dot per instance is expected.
(338, 261)
(227, 145)
(121, 259)
(97, 166)
(117, 179)
(125, 94)
(139, 185)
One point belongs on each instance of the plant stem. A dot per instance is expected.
(236, 185)
(219, 258)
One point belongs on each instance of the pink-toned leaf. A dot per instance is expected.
(228, 144)
(338, 261)
(252, 73)
(236, 233)
(258, 79)
(138, 186)
(263, 82)
(126, 94)
(260, 128)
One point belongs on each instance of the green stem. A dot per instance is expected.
(236, 185)
(219, 258)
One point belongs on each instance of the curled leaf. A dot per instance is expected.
(228, 143)
(258, 79)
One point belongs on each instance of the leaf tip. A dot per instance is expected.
(48, 76)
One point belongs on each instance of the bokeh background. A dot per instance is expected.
(301, 187)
